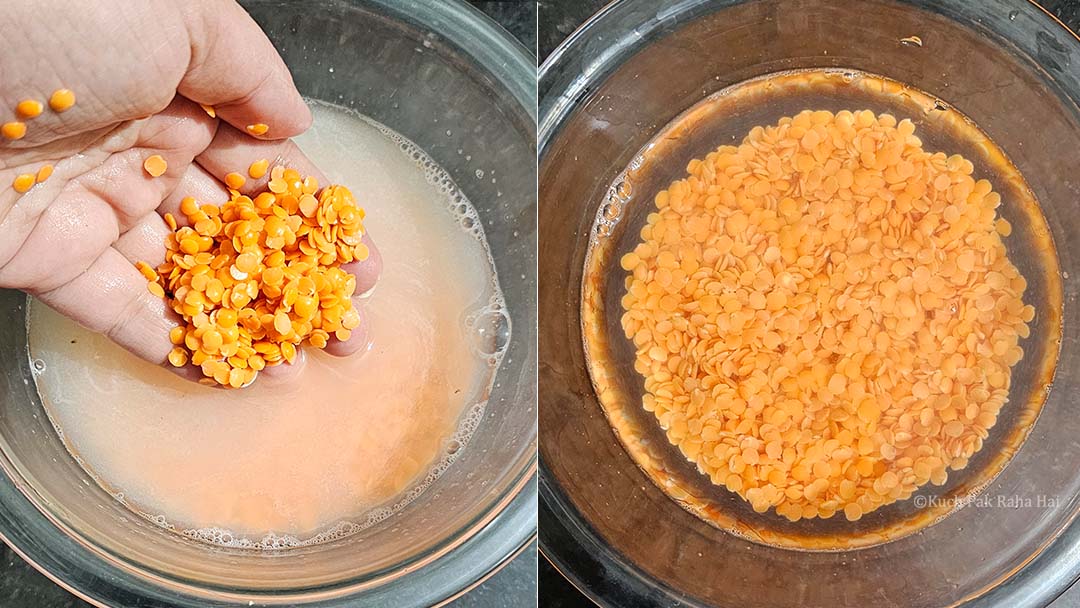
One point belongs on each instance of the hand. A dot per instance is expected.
(139, 72)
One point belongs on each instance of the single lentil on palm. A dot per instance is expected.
(825, 316)
(29, 108)
(256, 278)
(13, 130)
(23, 182)
(62, 100)
(155, 165)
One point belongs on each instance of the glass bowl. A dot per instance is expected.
(425, 70)
(616, 85)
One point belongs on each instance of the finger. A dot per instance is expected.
(235, 69)
(111, 298)
(367, 272)
(283, 374)
(122, 64)
(361, 340)
(232, 151)
(66, 237)
(145, 241)
(197, 183)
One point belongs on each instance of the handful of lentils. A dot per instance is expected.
(256, 278)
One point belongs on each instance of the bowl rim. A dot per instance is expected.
(479, 550)
(567, 540)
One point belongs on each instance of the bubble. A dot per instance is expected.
(490, 331)
(453, 447)
(611, 210)
(479, 174)
(39, 365)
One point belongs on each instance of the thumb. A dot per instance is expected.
(236, 71)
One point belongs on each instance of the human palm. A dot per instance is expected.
(140, 71)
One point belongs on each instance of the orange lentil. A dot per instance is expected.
(176, 335)
(258, 168)
(156, 289)
(170, 221)
(61, 100)
(13, 130)
(209, 110)
(253, 279)
(850, 334)
(44, 173)
(288, 351)
(258, 128)
(188, 206)
(29, 108)
(178, 357)
(235, 180)
(155, 165)
(147, 271)
(23, 182)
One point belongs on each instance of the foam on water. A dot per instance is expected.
(485, 326)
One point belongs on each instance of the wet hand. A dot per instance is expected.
(144, 79)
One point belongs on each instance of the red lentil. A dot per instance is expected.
(29, 108)
(155, 165)
(62, 100)
(13, 130)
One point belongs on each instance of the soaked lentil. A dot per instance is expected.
(234, 180)
(29, 108)
(44, 173)
(23, 182)
(155, 165)
(13, 130)
(825, 315)
(62, 100)
(258, 168)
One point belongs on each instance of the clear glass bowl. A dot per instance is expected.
(608, 91)
(425, 70)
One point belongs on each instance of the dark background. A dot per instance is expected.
(556, 20)
(512, 587)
